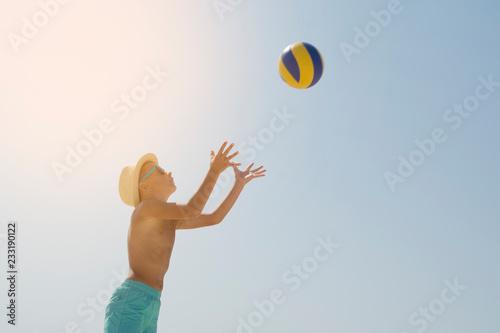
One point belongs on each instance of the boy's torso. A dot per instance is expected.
(150, 242)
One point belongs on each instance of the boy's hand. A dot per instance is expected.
(221, 161)
(247, 175)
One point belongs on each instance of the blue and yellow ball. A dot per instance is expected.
(301, 65)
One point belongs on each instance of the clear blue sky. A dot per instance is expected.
(401, 246)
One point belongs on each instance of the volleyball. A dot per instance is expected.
(301, 65)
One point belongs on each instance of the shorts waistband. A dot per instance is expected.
(136, 285)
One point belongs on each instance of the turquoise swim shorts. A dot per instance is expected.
(133, 308)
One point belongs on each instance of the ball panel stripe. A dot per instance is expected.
(291, 64)
(306, 64)
(286, 76)
(317, 61)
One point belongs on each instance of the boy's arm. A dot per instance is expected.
(174, 211)
(226, 205)
(205, 220)
(200, 198)
(218, 163)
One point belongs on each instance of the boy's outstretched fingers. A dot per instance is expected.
(259, 173)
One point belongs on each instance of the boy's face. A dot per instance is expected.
(159, 179)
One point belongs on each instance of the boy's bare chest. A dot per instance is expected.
(153, 232)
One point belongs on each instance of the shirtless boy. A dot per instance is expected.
(135, 305)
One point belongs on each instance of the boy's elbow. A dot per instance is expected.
(216, 219)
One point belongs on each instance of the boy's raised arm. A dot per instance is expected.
(200, 198)
(205, 220)
(242, 177)
(218, 163)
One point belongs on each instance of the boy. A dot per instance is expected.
(135, 305)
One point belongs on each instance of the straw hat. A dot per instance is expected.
(129, 180)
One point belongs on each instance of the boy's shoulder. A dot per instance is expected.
(150, 209)
(144, 207)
